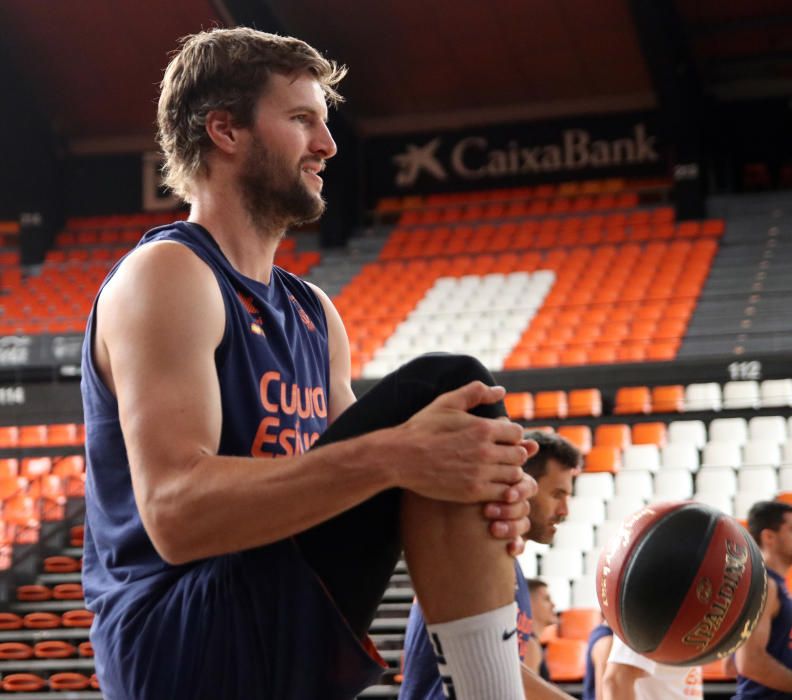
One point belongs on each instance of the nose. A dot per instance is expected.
(563, 508)
(323, 144)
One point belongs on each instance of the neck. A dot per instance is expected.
(250, 248)
(538, 627)
(776, 563)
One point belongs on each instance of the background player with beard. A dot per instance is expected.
(214, 574)
(764, 662)
(554, 467)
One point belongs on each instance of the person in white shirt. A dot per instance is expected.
(630, 676)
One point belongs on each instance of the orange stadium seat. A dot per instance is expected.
(85, 649)
(649, 434)
(33, 593)
(62, 434)
(9, 436)
(550, 404)
(15, 651)
(32, 436)
(633, 399)
(668, 399)
(566, 660)
(716, 671)
(612, 434)
(585, 402)
(54, 649)
(603, 458)
(577, 623)
(41, 621)
(9, 468)
(519, 406)
(68, 680)
(22, 683)
(10, 621)
(578, 435)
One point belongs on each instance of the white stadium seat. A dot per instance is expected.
(620, 507)
(587, 509)
(590, 560)
(634, 484)
(703, 397)
(571, 535)
(761, 453)
(561, 562)
(785, 478)
(716, 499)
(760, 480)
(768, 428)
(743, 501)
(681, 456)
(673, 485)
(716, 480)
(721, 454)
(528, 564)
(688, 432)
(728, 430)
(743, 394)
(584, 592)
(776, 392)
(560, 591)
(597, 484)
(642, 457)
(605, 530)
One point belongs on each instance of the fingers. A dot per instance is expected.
(507, 511)
(506, 432)
(509, 529)
(470, 395)
(516, 547)
(531, 447)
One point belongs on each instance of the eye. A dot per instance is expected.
(302, 118)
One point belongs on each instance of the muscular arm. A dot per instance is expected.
(599, 659)
(159, 322)
(537, 688)
(618, 681)
(752, 659)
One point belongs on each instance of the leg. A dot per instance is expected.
(354, 553)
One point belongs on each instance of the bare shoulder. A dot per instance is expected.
(162, 291)
(323, 298)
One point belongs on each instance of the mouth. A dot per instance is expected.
(312, 169)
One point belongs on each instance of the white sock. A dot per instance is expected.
(478, 657)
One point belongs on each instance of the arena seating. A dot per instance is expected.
(58, 297)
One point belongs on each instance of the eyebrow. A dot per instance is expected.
(310, 110)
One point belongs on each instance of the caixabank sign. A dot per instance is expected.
(514, 155)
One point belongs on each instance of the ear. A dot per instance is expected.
(221, 130)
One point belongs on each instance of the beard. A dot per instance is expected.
(272, 194)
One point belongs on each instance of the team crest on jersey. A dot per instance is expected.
(304, 317)
(257, 323)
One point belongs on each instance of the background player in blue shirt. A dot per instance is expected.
(214, 570)
(553, 467)
(764, 662)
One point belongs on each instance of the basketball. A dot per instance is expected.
(681, 583)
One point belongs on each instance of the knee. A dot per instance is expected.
(448, 369)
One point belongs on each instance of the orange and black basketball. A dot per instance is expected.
(681, 583)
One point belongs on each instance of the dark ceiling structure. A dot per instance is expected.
(93, 67)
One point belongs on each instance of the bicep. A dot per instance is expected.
(160, 320)
(757, 643)
(341, 394)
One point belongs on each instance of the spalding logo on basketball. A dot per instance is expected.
(681, 583)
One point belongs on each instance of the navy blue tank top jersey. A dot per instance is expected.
(589, 690)
(779, 646)
(219, 627)
(421, 676)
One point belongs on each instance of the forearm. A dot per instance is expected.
(225, 504)
(764, 669)
(537, 688)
